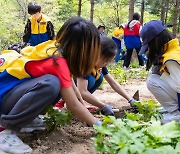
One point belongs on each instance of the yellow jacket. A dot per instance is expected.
(172, 53)
(118, 33)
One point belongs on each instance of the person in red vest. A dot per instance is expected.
(132, 40)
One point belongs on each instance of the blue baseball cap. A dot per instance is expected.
(149, 31)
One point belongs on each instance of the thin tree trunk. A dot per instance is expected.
(142, 12)
(117, 13)
(162, 11)
(177, 3)
(79, 8)
(167, 9)
(179, 24)
(92, 10)
(131, 9)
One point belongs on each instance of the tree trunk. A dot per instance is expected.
(162, 11)
(167, 9)
(131, 9)
(117, 12)
(179, 24)
(142, 12)
(175, 17)
(92, 10)
(79, 8)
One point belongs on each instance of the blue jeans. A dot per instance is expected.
(94, 84)
(119, 50)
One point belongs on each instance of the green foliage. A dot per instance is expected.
(14, 15)
(123, 76)
(56, 118)
(66, 9)
(133, 135)
(147, 109)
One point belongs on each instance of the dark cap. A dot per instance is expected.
(149, 31)
(101, 26)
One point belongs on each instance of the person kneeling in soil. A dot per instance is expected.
(163, 80)
(41, 75)
(89, 83)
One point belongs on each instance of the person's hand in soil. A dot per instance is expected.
(107, 110)
(132, 103)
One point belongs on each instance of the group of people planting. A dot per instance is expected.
(71, 65)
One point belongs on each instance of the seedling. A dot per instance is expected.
(55, 118)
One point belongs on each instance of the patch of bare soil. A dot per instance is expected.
(76, 138)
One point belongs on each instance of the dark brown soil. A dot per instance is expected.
(76, 138)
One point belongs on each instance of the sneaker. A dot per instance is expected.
(37, 124)
(125, 68)
(12, 144)
(143, 67)
(168, 117)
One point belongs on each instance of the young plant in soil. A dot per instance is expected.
(138, 133)
(55, 118)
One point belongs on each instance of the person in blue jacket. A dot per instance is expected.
(132, 40)
(39, 28)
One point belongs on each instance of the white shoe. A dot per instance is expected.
(168, 117)
(125, 68)
(10, 143)
(35, 125)
(143, 67)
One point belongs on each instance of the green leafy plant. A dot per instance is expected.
(123, 76)
(138, 133)
(147, 109)
(55, 118)
(125, 136)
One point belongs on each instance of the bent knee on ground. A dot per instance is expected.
(52, 83)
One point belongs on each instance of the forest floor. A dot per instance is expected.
(76, 138)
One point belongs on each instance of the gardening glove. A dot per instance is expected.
(98, 122)
(131, 102)
(107, 110)
(178, 95)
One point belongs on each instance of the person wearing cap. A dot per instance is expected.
(101, 30)
(117, 35)
(164, 58)
(39, 28)
(132, 40)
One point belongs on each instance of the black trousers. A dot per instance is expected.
(128, 56)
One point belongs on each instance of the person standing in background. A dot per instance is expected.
(117, 35)
(101, 30)
(132, 40)
(39, 27)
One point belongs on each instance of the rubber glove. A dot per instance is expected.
(131, 102)
(107, 110)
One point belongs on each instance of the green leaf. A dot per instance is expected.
(164, 132)
(165, 150)
(177, 149)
